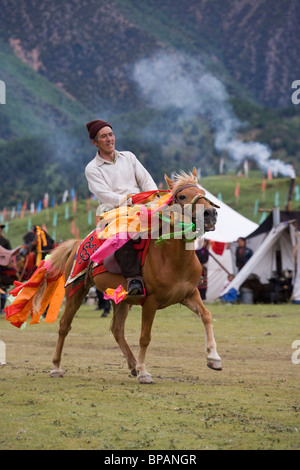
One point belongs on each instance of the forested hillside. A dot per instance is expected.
(183, 83)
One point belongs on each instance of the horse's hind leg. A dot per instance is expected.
(72, 305)
(118, 330)
(195, 304)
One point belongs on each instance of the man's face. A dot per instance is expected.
(105, 141)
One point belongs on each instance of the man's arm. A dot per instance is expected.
(101, 190)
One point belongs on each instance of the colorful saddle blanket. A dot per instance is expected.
(118, 226)
(83, 258)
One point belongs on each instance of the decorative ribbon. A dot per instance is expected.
(41, 242)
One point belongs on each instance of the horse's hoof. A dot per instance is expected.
(56, 373)
(145, 379)
(133, 372)
(214, 364)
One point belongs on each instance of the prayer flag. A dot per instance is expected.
(45, 200)
(65, 196)
(39, 206)
(263, 217)
(66, 211)
(237, 190)
(54, 221)
(74, 203)
(72, 193)
(90, 217)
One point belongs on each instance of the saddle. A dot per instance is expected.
(83, 266)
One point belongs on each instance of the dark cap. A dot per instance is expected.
(94, 127)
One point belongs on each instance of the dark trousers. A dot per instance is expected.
(3, 301)
(128, 261)
(102, 303)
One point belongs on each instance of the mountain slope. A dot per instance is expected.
(88, 47)
(34, 105)
(171, 76)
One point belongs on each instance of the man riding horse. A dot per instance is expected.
(112, 176)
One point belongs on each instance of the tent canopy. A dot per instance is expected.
(266, 242)
(230, 224)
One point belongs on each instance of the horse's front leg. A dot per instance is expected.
(195, 303)
(118, 330)
(148, 314)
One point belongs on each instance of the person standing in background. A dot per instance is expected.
(3, 293)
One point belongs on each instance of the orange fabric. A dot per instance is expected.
(18, 312)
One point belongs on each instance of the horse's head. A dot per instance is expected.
(187, 192)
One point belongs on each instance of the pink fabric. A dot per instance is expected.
(110, 245)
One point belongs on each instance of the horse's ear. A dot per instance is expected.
(195, 172)
(169, 182)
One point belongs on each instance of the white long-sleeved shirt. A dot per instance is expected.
(111, 182)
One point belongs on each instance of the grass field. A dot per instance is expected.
(252, 404)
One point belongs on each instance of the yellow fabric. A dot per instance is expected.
(127, 219)
(41, 242)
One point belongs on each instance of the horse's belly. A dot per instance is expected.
(174, 294)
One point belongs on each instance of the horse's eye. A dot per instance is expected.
(181, 197)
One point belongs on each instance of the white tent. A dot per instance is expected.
(278, 245)
(230, 226)
(218, 269)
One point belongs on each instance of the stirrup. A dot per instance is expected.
(135, 287)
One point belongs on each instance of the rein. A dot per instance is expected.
(185, 227)
(196, 197)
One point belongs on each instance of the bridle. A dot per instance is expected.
(195, 199)
(184, 227)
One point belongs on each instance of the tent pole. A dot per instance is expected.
(220, 264)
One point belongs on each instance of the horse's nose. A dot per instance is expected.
(210, 214)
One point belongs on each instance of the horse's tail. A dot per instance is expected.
(60, 255)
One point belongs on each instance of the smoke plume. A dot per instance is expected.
(180, 82)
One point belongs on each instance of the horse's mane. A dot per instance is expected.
(183, 178)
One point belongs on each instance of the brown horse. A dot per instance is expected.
(171, 274)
